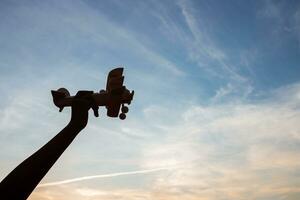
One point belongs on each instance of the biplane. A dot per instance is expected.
(114, 97)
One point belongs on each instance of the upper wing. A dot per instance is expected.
(114, 79)
(115, 88)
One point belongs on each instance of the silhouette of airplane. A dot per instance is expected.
(115, 96)
(20, 182)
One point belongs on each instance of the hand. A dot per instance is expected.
(81, 104)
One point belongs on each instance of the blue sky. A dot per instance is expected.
(216, 111)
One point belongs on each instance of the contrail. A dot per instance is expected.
(101, 176)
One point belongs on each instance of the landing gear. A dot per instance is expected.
(124, 109)
(122, 116)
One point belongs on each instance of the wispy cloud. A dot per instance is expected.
(235, 147)
(204, 48)
(226, 145)
(109, 34)
(197, 40)
(101, 176)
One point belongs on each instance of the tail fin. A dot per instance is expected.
(58, 95)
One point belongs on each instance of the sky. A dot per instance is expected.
(217, 97)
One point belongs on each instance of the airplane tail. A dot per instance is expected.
(58, 95)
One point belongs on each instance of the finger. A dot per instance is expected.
(93, 105)
(96, 111)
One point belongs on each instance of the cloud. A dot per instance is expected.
(221, 151)
(231, 149)
(193, 34)
(282, 26)
(102, 176)
(77, 43)
(113, 36)
(225, 149)
(270, 10)
(80, 193)
(297, 24)
(204, 48)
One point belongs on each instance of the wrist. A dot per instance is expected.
(76, 125)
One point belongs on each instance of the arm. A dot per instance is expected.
(25, 177)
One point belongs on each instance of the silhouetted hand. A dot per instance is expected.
(81, 104)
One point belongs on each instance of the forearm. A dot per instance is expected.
(24, 178)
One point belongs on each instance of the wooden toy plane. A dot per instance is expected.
(113, 98)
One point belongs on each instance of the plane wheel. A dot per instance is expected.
(122, 116)
(124, 109)
(65, 91)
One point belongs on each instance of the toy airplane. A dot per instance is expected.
(114, 97)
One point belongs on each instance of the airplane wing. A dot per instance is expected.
(115, 88)
(114, 79)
